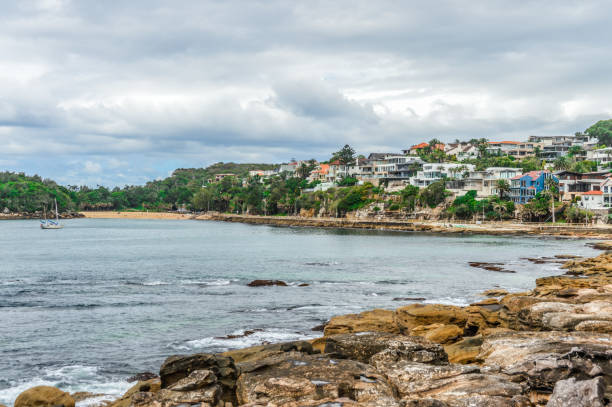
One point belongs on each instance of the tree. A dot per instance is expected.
(563, 163)
(602, 130)
(346, 155)
(503, 187)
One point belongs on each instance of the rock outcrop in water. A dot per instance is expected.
(551, 346)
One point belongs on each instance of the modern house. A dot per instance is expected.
(485, 183)
(603, 156)
(525, 186)
(592, 200)
(574, 184)
(433, 172)
(516, 149)
(462, 151)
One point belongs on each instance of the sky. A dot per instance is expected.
(123, 92)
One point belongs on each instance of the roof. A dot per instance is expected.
(593, 193)
(419, 146)
(504, 142)
(532, 174)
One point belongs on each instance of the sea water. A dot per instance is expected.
(85, 307)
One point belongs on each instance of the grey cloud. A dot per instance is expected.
(155, 84)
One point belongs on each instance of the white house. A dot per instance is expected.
(463, 151)
(485, 183)
(592, 200)
(433, 172)
(602, 155)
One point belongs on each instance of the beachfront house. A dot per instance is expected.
(433, 172)
(574, 184)
(485, 183)
(524, 187)
(591, 200)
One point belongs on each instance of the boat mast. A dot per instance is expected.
(56, 213)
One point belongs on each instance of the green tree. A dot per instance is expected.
(602, 130)
(503, 188)
(346, 155)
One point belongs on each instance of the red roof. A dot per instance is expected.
(419, 146)
(593, 193)
(533, 174)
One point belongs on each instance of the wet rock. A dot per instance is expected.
(490, 266)
(319, 328)
(377, 320)
(296, 379)
(496, 292)
(246, 333)
(411, 316)
(266, 283)
(44, 396)
(176, 368)
(141, 377)
(438, 333)
(303, 285)
(84, 395)
(409, 299)
(364, 346)
(584, 393)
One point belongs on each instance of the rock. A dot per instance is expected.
(451, 385)
(541, 359)
(176, 368)
(585, 393)
(376, 320)
(141, 377)
(151, 386)
(409, 299)
(303, 285)
(44, 396)
(84, 395)
(438, 333)
(411, 316)
(495, 292)
(196, 380)
(364, 346)
(296, 379)
(263, 351)
(264, 283)
(490, 266)
(465, 350)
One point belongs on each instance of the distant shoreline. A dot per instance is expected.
(136, 215)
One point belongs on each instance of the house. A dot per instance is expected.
(485, 183)
(417, 148)
(603, 156)
(525, 186)
(606, 188)
(219, 177)
(320, 173)
(592, 200)
(462, 151)
(515, 149)
(574, 184)
(433, 172)
(337, 171)
(290, 167)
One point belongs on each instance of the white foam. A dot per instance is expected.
(72, 379)
(153, 283)
(257, 338)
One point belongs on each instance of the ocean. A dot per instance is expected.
(85, 307)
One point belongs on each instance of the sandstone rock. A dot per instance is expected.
(44, 396)
(141, 377)
(585, 393)
(495, 292)
(196, 380)
(364, 346)
(452, 385)
(297, 379)
(413, 315)
(152, 386)
(438, 333)
(540, 359)
(176, 368)
(266, 283)
(465, 350)
(377, 320)
(263, 351)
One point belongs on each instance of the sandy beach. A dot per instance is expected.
(136, 215)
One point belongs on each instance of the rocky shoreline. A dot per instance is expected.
(37, 215)
(551, 346)
(496, 228)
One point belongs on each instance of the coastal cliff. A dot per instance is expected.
(551, 346)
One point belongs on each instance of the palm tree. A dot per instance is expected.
(500, 208)
(503, 187)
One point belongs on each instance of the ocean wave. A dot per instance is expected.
(220, 344)
(458, 301)
(70, 378)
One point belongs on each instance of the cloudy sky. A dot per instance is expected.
(123, 92)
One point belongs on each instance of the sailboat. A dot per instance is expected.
(51, 224)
